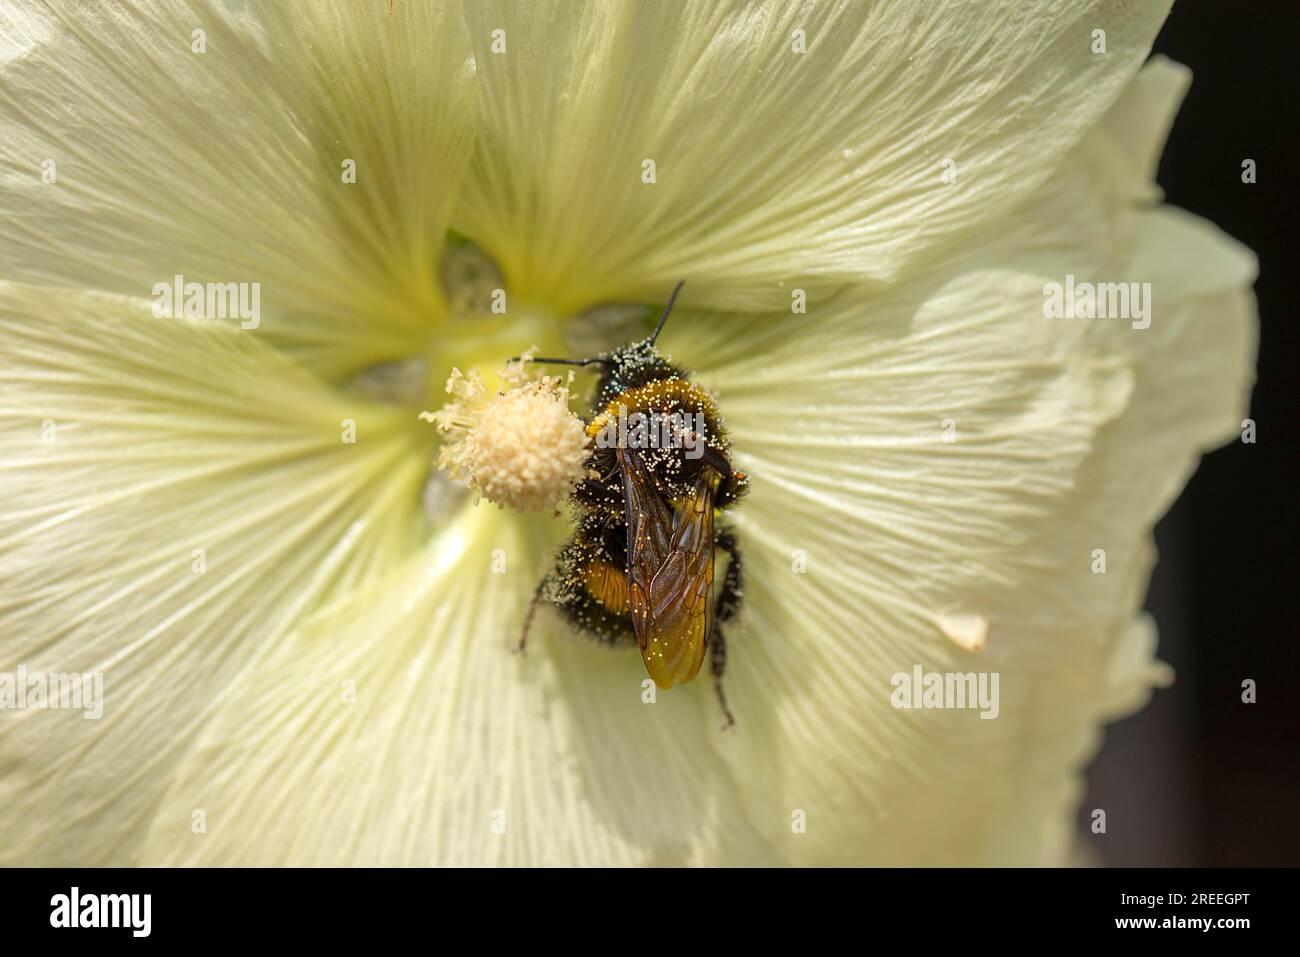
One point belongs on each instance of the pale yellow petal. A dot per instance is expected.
(1140, 121)
(177, 496)
(868, 535)
(160, 138)
(903, 127)
(402, 729)
(874, 547)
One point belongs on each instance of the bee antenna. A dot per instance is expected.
(667, 309)
(566, 362)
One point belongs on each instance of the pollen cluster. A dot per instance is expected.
(519, 446)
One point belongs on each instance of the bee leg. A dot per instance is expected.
(730, 595)
(716, 461)
(727, 606)
(718, 664)
(532, 610)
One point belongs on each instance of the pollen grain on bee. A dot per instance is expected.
(654, 430)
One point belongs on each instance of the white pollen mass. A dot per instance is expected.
(520, 447)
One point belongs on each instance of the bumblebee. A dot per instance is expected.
(640, 565)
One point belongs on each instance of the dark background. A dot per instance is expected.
(1198, 777)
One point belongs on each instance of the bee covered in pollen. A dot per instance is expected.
(639, 567)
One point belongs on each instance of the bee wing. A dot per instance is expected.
(670, 572)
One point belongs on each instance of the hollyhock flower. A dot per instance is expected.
(230, 508)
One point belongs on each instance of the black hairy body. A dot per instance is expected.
(639, 568)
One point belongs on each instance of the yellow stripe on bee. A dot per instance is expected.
(608, 585)
(662, 395)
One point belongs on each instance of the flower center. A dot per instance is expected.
(519, 445)
(515, 442)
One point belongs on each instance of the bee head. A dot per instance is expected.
(632, 365)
